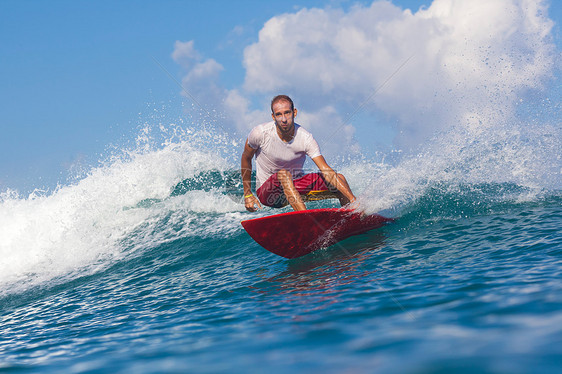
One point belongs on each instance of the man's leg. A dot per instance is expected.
(315, 185)
(342, 182)
(291, 193)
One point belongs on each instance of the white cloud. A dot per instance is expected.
(184, 53)
(470, 58)
(201, 80)
(239, 109)
(471, 61)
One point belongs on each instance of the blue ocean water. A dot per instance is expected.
(142, 266)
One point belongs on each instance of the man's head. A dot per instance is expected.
(283, 112)
(278, 98)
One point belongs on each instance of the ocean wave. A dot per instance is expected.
(188, 186)
(82, 227)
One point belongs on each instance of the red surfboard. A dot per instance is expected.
(299, 233)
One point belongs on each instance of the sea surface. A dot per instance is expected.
(141, 266)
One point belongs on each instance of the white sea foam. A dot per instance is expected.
(82, 227)
(525, 155)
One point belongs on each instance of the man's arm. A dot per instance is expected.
(334, 179)
(250, 201)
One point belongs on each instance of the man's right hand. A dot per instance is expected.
(250, 202)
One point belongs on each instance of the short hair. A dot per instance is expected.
(282, 98)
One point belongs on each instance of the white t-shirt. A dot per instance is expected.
(273, 154)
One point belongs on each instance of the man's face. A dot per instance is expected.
(284, 116)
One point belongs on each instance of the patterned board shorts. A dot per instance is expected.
(271, 192)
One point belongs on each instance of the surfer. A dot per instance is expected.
(280, 148)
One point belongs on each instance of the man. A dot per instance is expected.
(281, 147)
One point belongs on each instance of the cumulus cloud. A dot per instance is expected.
(202, 76)
(239, 108)
(469, 59)
(184, 53)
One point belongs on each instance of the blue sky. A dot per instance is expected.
(77, 76)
